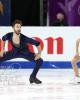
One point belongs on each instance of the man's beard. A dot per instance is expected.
(17, 32)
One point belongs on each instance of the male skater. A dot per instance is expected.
(75, 59)
(20, 49)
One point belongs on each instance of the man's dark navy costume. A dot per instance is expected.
(22, 51)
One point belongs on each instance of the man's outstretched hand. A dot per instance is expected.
(2, 53)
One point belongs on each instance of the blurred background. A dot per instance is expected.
(40, 12)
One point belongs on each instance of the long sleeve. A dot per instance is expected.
(32, 41)
(6, 37)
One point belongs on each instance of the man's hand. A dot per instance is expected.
(38, 56)
(2, 53)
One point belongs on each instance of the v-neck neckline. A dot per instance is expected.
(19, 37)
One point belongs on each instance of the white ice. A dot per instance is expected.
(14, 85)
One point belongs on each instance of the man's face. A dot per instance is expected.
(17, 29)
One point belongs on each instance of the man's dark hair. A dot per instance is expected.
(16, 22)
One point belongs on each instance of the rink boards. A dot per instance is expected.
(57, 43)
